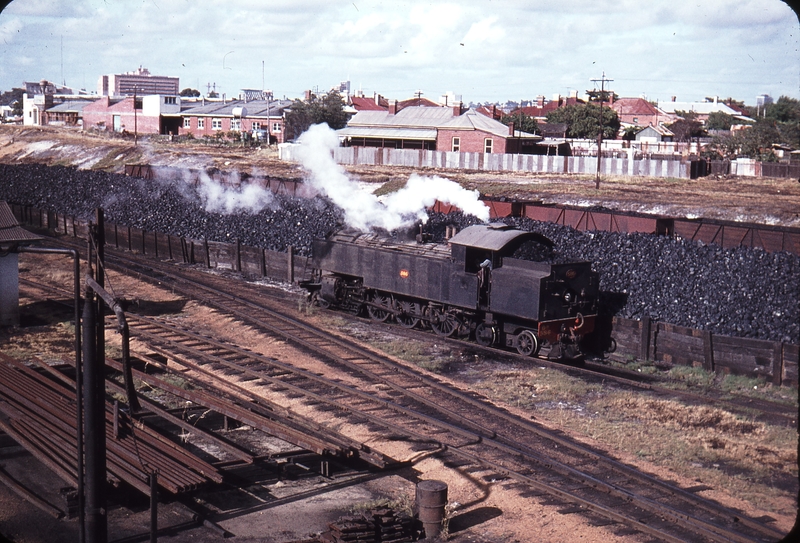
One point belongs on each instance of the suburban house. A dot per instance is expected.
(248, 116)
(153, 114)
(639, 112)
(701, 109)
(654, 133)
(362, 103)
(434, 128)
(543, 107)
(67, 113)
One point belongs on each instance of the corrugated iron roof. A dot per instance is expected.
(255, 108)
(388, 132)
(10, 230)
(496, 237)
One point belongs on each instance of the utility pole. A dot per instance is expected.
(602, 81)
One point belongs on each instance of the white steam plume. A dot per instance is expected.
(218, 198)
(363, 210)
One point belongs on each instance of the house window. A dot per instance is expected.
(487, 145)
(201, 123)
(456, 144)
(216, 124)
(187, 122)
(276, 127)
(236, 124)
(636, 119)
(256, 126)
(170, 100)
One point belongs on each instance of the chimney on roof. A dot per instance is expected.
(307, 96)
(540, 101)
(377, 99)
(457, 109)
(494, 111)
(674, 98)
(511, 128)
(392, 107)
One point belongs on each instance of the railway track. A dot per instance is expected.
(465, 430)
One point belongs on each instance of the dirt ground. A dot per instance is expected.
(481, 509)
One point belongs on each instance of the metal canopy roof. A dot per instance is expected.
(387, 132)
(496, 237)
(10, 230)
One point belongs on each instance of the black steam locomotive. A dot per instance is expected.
(473, 284)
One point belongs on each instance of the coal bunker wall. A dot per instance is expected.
(740, 292)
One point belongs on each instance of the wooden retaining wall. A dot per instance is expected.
(640, 339)
(663, 342)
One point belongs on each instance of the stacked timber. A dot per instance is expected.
(376, 526)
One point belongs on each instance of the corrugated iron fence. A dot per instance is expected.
(644, 340)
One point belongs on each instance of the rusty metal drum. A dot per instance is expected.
(431, 500)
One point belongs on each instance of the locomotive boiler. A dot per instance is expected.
(471, 285)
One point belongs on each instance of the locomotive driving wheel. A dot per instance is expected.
(444, 323)
(527, 343)
(409, 313)
(379, 308)
(485, 334)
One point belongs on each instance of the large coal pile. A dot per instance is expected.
(169, 206)
(741, 292)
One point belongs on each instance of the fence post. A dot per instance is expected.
(290, 264)
(644, 339)
(708, 351)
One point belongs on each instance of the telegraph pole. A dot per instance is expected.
(602, 81)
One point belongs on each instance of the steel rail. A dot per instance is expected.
(707, 528)
(245, 316)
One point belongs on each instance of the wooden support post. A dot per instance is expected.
(208, 256)
(644, 339)
(290, 264)
(237, 264)
(263, 255)
(708, 351)
(777, 364)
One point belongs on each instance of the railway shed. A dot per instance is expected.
(11, 237)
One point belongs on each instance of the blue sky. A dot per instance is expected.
(483, 50)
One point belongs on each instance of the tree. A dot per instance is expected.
(192, 93)
(630, 133)
(718, 120)
(752, 142)
(583, 120)
(13, 98)
(522, 121)
(326, 109)
(687, 127)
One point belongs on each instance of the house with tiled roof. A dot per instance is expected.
(543, 107)
(639, 112)
(434, 128)
(364, 103)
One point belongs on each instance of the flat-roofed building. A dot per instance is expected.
(140, 82)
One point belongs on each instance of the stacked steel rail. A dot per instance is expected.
(38, 412)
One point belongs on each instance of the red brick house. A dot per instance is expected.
(154, 114)
(639, 112)
(543, 107)
(212, 118)
(434, 128)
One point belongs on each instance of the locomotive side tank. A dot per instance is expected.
(471, 285)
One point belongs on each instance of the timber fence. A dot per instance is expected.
(638, 339)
